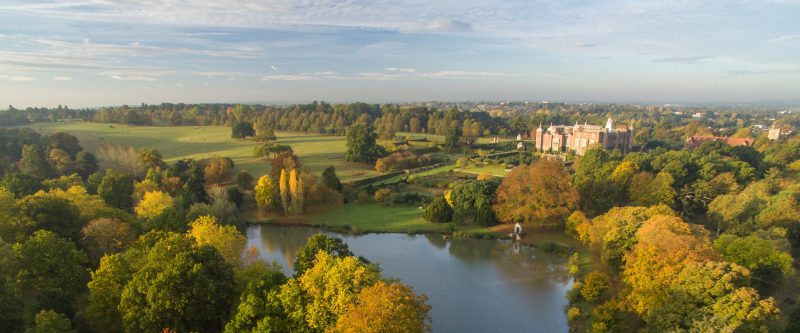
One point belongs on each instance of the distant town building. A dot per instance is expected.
(774, 132)
(695, 141)
(579, 138)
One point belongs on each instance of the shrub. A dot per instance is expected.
(594, 285)
(382, 194)
(438, 211)
(462, 162)
(573, 313)
(575, 293)
(573, 221)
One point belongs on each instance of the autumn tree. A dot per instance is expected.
(149, 158)
(153, 204)
(647, 190)
(218, 170)
(593, 285)
(541, 193)
(266, 193)
(243, 179)
(387, 307)
(230, 243)
(106, 236)
(65, 142)
(283, 190)
(768, 264)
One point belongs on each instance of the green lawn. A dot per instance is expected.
(316, 151)
(493, 169)
(377, 218)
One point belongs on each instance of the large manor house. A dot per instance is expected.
(579, 138)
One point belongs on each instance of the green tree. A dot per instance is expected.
(34, 163)
(20, 184)
(150, 158)
(244, 180)
(194, 187)
(266, 193)
(49, 321)
(264, 130)
(52, 213)
(116, 189)
(259, 308)
(361, 146)
(330, 179)
(768, 264)
(242, 129)
(319, 243)
(438, 211)
(52, 271)
(452, 137)
(105, 291)
(179, 286)
(647, 190)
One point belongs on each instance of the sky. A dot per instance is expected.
(112, 52)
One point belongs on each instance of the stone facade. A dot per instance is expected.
(579, 138)
(774, 132)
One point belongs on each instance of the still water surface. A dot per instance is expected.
(472, 285)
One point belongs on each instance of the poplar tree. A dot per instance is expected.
(284, 190)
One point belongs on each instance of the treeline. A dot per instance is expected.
(656, 126)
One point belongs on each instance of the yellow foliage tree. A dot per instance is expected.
(153, 203)
(386, 307)
(206, 230)
(265, 193)
(284, 191)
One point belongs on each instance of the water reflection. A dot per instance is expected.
(472, 285)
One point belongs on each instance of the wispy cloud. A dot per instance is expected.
(685, 60)
(7, 77)
(786, 38)
(62, 78)
(449, 26)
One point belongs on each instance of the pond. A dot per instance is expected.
(472, 285)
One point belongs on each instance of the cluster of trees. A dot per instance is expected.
(290, 187)
(404, 159)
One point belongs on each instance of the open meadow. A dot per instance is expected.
(316, 151)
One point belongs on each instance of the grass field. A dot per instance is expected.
(316, 151)
(377, 218)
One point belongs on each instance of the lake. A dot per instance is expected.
(472, 285)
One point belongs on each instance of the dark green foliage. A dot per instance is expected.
(438, 211)
(179, 286)
(330, 179)
(453, 136)
(116, 189)
(65, 142)
(475, 198)
(768, 265)
(361, 146)
(51, 213)
(52, 271)
(150, 158)
(11, 306)
(194, 188)
(235, 196)
(242, 129)
(34, 162)
(594, 182)
(320, 242)
(171, 219)
(21, 184)
(244, 180)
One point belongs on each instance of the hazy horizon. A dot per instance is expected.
(98, 52)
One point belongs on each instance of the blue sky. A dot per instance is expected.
(111, 52)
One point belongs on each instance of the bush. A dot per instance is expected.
(573, 313)
(594, 285)
(438, 211)
(573, 221)
(382, 194)
(462, 162)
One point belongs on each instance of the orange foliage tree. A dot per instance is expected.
(541, 193)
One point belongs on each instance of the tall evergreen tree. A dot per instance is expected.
(34, 162)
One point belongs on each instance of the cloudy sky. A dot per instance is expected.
(111, 52)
